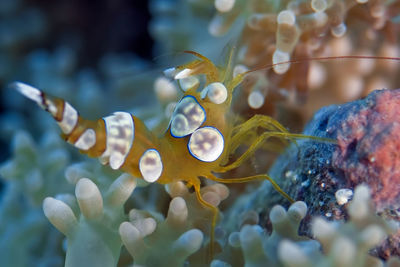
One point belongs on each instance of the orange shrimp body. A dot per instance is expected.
(198, 142)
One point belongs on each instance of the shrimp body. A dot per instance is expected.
(186, 150)
(197, 143)
(197, 134)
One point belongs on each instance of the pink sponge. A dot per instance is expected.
(369, 147)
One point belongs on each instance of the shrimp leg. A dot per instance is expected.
(250, 179)
(254, 122)
(214, 211)
(256, 145)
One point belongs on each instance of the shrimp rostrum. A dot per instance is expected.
(199, 141)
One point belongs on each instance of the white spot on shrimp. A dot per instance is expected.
(179, 124)
(29, 91)
(187, 117)
(183, 74)
(35, 95)
(150, 165)
(87, 140)
(120, 132)
(69, 119)
(217, 92)
(206, 144)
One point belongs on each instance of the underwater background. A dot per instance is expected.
(61, 208)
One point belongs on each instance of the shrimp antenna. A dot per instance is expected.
(300, 60)
(198, 55)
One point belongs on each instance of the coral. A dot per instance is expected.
(345, 244)
(178, 25)
(92, 238)
(275, 31)
(153, 243)
(35, 169)
(95, 231)
(336, 243)
(152, 240)
(31, 174)
(259, 248)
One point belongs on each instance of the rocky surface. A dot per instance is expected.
(323, 175)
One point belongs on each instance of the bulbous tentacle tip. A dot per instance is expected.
(177, 212)
(291, 254)
(89, 199)
(60, 215)
(120, 190)
(189, 242)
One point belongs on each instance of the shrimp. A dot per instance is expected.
(202, 133)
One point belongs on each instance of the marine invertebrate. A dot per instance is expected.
(260, 248)
(152, 240)
(346, 244)
(123, 91)
(33, 172)
(200, 131)
(95, 225)
(92, 240)
(275, 31)
(336, 243)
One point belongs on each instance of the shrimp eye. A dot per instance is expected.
(150, 165)
(216, 92)
(206, 144)
(187, 117)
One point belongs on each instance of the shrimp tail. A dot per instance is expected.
(99, 138)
